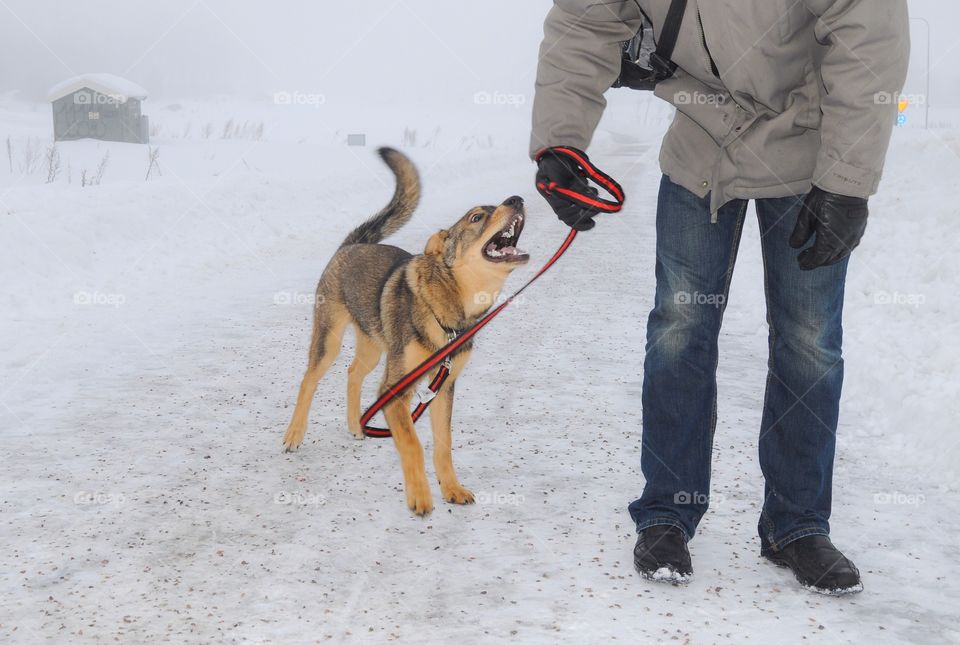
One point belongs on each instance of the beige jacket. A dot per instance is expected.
(806, 92)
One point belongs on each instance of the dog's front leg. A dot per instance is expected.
(441, 412)
(415, 483)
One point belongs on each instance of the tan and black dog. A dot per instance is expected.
(405, 306)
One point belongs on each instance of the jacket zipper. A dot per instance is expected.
(712, 66)
(703, 41)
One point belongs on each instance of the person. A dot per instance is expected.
(790, 103)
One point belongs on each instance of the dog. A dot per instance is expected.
(407, 307)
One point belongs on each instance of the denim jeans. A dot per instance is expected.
(694, 265)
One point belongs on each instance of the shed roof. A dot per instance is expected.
(104, 83)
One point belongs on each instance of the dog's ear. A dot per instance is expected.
(435, 243)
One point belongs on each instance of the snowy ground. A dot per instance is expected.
(154, 334)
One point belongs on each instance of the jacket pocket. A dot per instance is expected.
(810, 116)
(712, 109)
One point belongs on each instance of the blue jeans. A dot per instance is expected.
(695, 261)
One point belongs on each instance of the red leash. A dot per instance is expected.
(442, 356)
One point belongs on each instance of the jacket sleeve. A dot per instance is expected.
(863, 70)
(579, 60)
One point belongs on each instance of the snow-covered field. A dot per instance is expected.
(154, 333)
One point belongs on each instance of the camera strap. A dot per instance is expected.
(637, 77)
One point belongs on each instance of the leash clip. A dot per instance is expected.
(448, 362)
(425, 394)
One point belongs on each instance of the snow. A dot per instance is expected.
(666, 574)
(154, 334)
(109, 84)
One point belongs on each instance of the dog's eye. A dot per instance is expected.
(476, 218)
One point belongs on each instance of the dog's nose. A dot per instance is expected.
(516, 201)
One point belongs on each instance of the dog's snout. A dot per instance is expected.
(516, 201)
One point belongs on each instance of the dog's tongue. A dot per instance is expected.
(507, 250)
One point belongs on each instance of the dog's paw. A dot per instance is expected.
(357, 433)
(456, 494)
(419, 499)
(293, 438)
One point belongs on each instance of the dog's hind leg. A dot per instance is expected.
(328, 327)
(367, 356)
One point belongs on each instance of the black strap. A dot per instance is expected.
(660, 59)
(637, 77)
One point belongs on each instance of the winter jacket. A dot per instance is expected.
(806, 91)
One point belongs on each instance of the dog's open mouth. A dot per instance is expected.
(502, 247)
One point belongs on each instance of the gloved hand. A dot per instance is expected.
(555, 170)
(838, 222)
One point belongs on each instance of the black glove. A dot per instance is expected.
(839, 222)
(555, 170)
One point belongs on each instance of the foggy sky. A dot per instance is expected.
(375, 50)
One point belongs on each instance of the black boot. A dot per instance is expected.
(818, 565)
(661, 554)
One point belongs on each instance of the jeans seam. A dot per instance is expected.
(728, 278)
(771, 341)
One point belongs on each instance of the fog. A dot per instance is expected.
(389, 50)
(386, 50)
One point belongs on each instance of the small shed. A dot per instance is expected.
(99, 106)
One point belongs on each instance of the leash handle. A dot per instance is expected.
(444, 352)
(591, 172)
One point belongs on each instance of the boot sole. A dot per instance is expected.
(842, 591)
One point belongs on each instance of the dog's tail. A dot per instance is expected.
(398, 212)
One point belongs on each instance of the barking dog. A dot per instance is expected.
(405, 306)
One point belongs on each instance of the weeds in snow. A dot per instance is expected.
(53, 163)
(153, 154)
(246, 130)
(96, 178)
(30, 158)
(409, 138)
